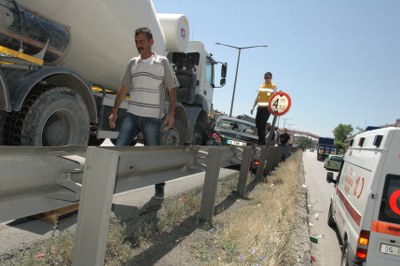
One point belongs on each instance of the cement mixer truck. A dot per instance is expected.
(61, 61)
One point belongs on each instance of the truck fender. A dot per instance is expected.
(21, 82)
(200, 100)
(4, 95)
(182, 116)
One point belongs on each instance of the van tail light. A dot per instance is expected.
(362, 245)
(214, 136)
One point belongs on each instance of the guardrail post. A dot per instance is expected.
(210, 185)
(244, 170)
(270, 160)
(95, 206)
(263, 157)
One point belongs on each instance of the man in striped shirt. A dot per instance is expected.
(146, 78)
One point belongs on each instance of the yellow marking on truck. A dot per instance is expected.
(20, 55)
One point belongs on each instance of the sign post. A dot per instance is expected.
(279, 104)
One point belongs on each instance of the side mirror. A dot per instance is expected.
(329, 178)
(224, 68)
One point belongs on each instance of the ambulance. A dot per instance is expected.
(365, 206)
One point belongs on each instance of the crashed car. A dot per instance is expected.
(232, 131)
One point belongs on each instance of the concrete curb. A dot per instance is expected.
(302, 232)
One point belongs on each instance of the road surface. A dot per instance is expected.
(327, 251)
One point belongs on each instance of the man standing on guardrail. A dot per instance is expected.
(264, 94)
(146, 78)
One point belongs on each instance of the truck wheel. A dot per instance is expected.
(344, 261)
(174, 135)
(331, 221)
(52, 116)
(199, 135)
(3, 116)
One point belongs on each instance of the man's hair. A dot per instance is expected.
(268, 74)
(144, 30)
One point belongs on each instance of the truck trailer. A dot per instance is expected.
(325, 147)
(61, 61)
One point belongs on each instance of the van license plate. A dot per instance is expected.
(388, 249)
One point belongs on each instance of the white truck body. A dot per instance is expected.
(365, 207)
(102, 34)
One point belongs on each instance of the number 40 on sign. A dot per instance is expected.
(280, 103)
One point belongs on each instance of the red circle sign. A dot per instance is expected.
(393, 202)
(280, 103)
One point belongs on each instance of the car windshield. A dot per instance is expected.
(236, 126)
(336, 158)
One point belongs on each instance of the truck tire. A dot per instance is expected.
(331, 221)
(51, 116)
(174, 135)
(344, 261)
(199, 135)
(3, 117)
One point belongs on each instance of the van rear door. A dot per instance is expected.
(384, 241)
(384, 246)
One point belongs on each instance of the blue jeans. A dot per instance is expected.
(133, 124)
(150, 127)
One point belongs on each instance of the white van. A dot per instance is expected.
(365, 207)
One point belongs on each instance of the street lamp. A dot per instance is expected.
(284, 121)
(237, 65)
(291, 125)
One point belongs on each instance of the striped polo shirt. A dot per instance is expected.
(147, 81)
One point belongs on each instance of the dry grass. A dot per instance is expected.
(260, 232)
(253, 232)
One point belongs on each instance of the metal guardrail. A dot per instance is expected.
(40, 179)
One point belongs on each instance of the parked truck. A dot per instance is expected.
(61, 61)
(325, 147)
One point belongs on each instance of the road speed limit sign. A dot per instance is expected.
(280, 103)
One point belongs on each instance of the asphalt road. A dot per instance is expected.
(327, 251)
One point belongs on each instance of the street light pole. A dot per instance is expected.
(234, 84)
(237, 66)
(284, 121)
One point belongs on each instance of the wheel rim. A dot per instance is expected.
(58, 129)
(172, 137)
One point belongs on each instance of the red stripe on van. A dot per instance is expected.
(386, 228)
(353, 212)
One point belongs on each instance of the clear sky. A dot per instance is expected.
(339, 60)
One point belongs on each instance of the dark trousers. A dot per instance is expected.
(261, 123)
